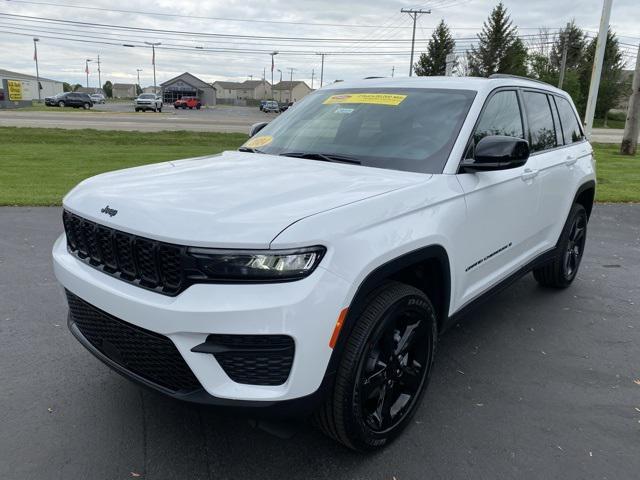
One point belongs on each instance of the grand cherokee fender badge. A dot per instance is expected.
(109, 211)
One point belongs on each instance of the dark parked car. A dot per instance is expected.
(70, 99)
(285, 105)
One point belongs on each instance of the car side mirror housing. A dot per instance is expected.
(256, 127)
(497, 152)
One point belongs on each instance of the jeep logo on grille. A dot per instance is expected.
(109, 211)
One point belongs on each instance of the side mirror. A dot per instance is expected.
(256, 127)
(497, 152)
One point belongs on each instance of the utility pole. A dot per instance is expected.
(35, 57)
(291, 85)
(138, 70)
(273, 54)
(280, 91)
(565, 49)
(86, 69)
(597, 67)
(264, 83)
(393, 71)
(99, 76)
(450, 60)
(312, 74)
(153, 62)
(632, 125)
(414, 15)
(321, 68)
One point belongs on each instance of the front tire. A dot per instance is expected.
(562, 270)
(61, 104)
(86, 106)
(384, 369)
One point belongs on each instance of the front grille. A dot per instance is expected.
(147, 263)
(253, 359)
(149, 355)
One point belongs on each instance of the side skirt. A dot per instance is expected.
(542, 259)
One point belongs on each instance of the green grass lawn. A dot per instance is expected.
(39, 165)
(618, 175)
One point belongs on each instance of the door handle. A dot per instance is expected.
(528, 174)
(570, 160)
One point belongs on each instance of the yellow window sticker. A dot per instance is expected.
(369, 98)
(257, 142)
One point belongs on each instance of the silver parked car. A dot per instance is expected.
(148, 101)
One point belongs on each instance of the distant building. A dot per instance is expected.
(152, 89)
(124, 90)
(48, 87)
(247, 90)
(188, 85)
(290, 91)
(90, 90)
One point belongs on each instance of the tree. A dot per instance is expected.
(576, 42)
(499, 50)
(138, 89)
(76, 86)
(611, 84)
(441, 44)
(66, 87)
(108, 89)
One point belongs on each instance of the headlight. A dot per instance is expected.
(256, 265)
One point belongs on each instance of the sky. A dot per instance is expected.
(361, 37)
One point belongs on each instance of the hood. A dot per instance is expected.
(232, 200)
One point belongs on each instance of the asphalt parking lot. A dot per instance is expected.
(534, 384)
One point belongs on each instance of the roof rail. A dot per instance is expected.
(506, 75)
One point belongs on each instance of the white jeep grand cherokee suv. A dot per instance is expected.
(313, 269)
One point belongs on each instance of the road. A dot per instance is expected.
(535, 384)
(119, 116)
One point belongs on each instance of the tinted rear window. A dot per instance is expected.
(541, 128)
(570, 125)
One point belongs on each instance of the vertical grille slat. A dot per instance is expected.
(142, 261)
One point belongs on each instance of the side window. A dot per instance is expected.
(543, 135)
(501, 116)
(556, 120)
(570, 125)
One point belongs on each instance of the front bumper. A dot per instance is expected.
(305, 310)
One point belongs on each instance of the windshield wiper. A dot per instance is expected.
(249, 150)
(325, 157)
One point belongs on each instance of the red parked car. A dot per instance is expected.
(188, 102)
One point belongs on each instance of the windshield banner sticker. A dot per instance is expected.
(258, 142)
(369, 98)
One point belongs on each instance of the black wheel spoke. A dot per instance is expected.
(410, 378)
(406, 338)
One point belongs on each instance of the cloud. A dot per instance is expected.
(65, 60)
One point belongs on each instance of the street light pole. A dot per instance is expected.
(99, 76)
(414, 15)
(138, 70)
(273, 54)
(321, 68)
(35, 57)
(291, 85)
(86, 69)
(153, 62)
(280, 91)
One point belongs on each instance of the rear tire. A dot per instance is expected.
(384, 368)
(562, 270)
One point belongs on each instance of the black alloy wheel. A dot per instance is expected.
(575, 246)
(393, 369)
(385, 361)
(562, 270)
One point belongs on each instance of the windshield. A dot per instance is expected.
(147, 95)
(410, 129)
